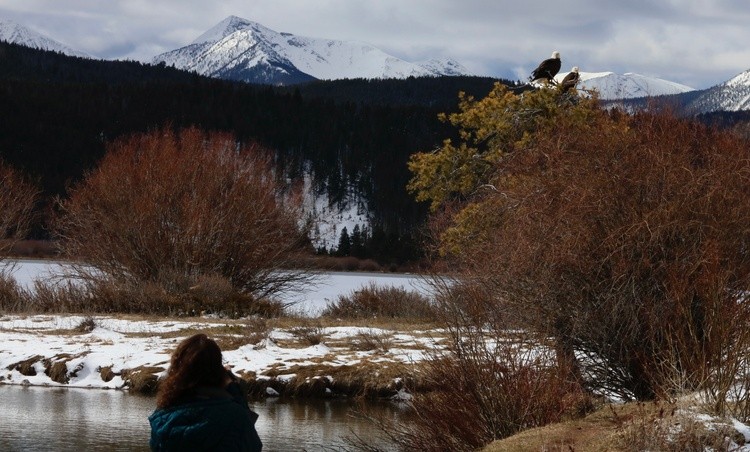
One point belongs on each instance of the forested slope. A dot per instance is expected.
(58, 112)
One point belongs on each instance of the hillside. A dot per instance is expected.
(59, 112)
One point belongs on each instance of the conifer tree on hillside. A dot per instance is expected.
(344, 247)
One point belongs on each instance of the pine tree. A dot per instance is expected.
(357, 244)
(345, 244)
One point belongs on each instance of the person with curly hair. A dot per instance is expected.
(200, 405)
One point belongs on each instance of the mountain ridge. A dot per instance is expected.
(239, 49)
(611, 86)
(16, 33)
(235, 46)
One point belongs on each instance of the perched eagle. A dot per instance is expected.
(570, 80)
(547, 69)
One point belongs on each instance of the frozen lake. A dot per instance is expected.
(310, 300)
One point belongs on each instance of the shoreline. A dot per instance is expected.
(288, 357)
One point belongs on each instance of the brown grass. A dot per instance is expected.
(142, 379)
(106, 296)
(26, 366)
(58, 371)
(368, 380)
(377, 302)
(309, 333)
(622, 428)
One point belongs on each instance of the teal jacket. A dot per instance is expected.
(215, 419)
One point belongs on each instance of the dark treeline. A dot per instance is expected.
(437, 92)
(58, 113)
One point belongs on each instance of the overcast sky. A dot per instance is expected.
(699, 43)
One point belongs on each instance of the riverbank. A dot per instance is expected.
(288, 356)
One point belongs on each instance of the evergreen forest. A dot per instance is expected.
(354, 136)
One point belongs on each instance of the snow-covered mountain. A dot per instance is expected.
(613, 86)
(18, 34)
(239, 49)
(732, 95)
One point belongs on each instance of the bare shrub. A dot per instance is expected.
(107, 295)
(628, 247)
(488, 383)
(371, 341)
(377, 301)
(17, 202)
(54, 295)
(177, 209)
(624, 237)
(11, 296)
(87, 325)
(309, 333)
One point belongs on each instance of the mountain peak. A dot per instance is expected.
(226, 28)
(740, 80)
(18, 34)
(239, 49)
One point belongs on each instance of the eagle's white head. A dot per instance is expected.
(556, 54)
(575, 69)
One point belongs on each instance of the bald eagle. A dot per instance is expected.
(547, 68)
(570, 80)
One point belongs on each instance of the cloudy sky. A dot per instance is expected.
(695, 42)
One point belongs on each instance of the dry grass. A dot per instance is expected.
(377, 302)
(99, 295)
(11, 295)
(622, 428)
(142, 379)
(367, 379)
(289, 322)
(26, 366)
(87, 325)
(308, 333)
(371, 341)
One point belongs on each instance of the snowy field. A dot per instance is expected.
(127, 342)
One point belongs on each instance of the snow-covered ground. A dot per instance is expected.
(128, 342)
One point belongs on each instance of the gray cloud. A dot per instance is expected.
(696, 42)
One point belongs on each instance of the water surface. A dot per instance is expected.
(71, 419)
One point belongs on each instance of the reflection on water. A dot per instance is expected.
(68, 419)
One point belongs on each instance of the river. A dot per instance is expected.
(70, 419)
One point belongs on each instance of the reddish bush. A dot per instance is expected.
(169, 208)
(17, 199)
